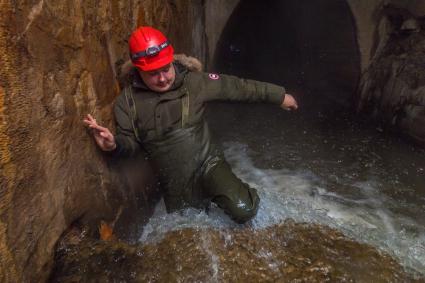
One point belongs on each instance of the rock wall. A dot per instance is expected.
(182, 21)
(366, 15)
(58, 62)
(392, 89)
(390, 36)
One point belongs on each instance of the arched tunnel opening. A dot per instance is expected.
(334, 189)
(309, 47)
(324, 150)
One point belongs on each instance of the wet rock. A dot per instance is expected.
(410, 25)
(287, 252)
(392, 90)
(58, 62)
(367, 15)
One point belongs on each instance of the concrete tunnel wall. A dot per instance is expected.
(218, 12)
(304, 46)
(384, 37)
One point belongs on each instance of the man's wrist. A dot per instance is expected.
(112, 148)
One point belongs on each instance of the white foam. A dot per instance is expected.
(302, 196)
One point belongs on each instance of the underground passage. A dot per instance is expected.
(295, 44)
(302, 124)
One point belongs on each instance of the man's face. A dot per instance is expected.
(159, 80)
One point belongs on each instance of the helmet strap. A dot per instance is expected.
(150, 51)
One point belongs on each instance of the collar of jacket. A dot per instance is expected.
(181, 71)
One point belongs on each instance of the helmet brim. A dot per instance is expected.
(155, 64)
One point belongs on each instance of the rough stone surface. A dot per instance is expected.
(58, 62)
(389, 34)
(57, 65)
(182, 21)
(287, 252)
(393, 87)
(367, 16)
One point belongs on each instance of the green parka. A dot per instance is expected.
(182, 153)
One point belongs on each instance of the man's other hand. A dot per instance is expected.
(289, 103)
(103, 137)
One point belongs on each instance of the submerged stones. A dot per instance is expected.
(284, 253)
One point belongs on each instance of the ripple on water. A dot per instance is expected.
(362, 214)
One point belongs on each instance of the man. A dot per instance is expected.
(162, 112)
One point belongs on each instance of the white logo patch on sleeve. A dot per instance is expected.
(214, 76)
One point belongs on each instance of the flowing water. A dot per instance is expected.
(313, 169)
(317, 166)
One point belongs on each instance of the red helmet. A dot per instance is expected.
(150, 49)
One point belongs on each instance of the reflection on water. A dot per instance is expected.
(317, 169)
(308, 168)
(364, 212)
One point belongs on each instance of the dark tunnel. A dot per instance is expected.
(309, 47)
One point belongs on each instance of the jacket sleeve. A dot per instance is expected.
(225, 87)
(125, 139)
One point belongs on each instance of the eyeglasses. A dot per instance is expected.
(150, 52)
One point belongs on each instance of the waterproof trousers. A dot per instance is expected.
(221, 186)
(214, 182)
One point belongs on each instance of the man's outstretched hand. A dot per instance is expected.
(104, 138)
(289, 103)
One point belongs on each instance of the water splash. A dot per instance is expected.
(363, 214)
(214, 260)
